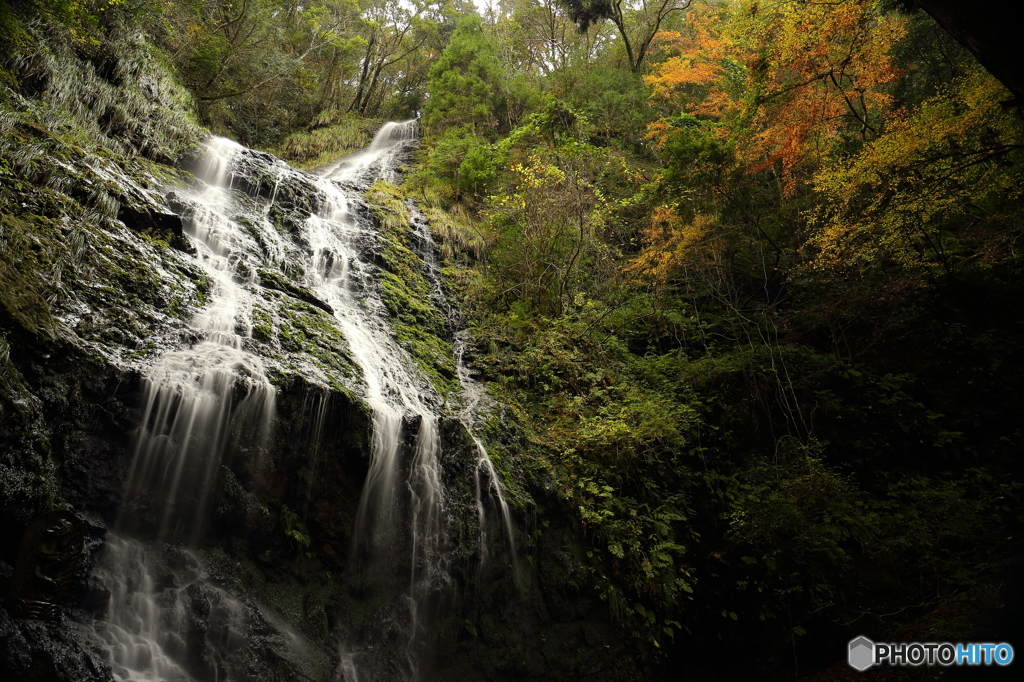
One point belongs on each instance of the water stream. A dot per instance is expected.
(400, 525)
(198, 401)
(213, 394)
(191, 398)
(486, 478)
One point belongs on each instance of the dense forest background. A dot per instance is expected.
(744, 275)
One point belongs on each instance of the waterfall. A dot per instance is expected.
(395, 395)
(486, 477)
(148, 624)
(137, 631)
(212, 396)
(377, 161)
(198, 402)
(400, 524)
(189, 404)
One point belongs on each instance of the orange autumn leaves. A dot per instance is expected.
(695, 75)
(788, 75)
(825, 67)
(674, 244)
(781, 83)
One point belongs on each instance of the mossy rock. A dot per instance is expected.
(420, 326)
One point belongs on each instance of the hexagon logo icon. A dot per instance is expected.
(861, 653)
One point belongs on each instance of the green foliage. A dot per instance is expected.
(613, 100)
(549, 211)
(445, 172)
(259, 70)
(124, 99)
(754, 442)
(800, 535)
(465, 82)
(462, 114)
(477, 170)
(455, 232)
(419, 325)
(614, 441)
(293, 528)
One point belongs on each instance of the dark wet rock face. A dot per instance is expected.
(167, 225)
(53, 650)
(50, 551)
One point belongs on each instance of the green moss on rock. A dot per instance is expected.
(419, 326)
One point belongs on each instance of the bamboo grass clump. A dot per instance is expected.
(331, 135)
(454, 230)
(137, 109)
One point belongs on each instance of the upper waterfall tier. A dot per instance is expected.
(381, 159)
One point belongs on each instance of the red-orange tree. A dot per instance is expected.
(766, 92)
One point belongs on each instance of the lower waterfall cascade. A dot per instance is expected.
(214, 397)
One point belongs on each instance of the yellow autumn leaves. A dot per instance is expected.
(802, 96)
(922, 182)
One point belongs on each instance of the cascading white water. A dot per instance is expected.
(486, 476)
(153, 634)
(400, 521)
(192, 398)
(315, 405)
(201, 398)
(190, 394)
(138, 625)
(377, 161)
